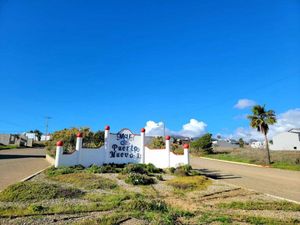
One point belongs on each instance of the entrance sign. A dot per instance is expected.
(119, 148)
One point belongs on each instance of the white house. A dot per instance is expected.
(289, 140)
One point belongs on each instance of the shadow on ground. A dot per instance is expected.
(7, 156)
(216, 174)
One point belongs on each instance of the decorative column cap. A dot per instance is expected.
(186, 146)
(79, 135)
(168, 138)
(59, 143)
(143, 130)
(107, 127)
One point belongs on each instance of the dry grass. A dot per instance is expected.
(189, 183)
(280, 159)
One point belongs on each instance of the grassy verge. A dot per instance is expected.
(281, 160)
(260, 205)
(2, 147)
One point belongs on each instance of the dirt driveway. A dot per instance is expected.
(281, 183)
(16, 164)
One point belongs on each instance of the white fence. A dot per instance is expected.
(123, 147)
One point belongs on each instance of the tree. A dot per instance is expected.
(241, 143)
(260, 120)
(203, 143)
(38, 134)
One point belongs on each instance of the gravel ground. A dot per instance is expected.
(204, 201)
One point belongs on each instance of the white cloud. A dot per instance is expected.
(285, 121)
(244, 103)
(194, 128)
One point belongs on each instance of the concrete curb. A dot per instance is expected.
(238, 163)
(33, 175)
(270, 195)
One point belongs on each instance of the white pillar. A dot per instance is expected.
(143, 145)
(168, 150)
(78, 147)
(78, 141)
(59, 152)
(186, 153)
(106, 143)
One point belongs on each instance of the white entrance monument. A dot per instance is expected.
(123, 147)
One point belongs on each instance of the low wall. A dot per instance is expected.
(123, 147)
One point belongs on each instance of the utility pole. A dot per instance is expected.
(47, 118)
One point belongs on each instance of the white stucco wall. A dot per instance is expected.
(286, 141)
(120, 148)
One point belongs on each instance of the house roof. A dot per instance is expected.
(294, 130)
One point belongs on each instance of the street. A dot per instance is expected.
(17, 164)
(281, 183)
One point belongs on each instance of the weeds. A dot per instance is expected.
(34, 191)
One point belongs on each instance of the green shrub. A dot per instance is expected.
(202, 144)
(139, 179)
(106, 168)
(37, 208)
(170, 170)
(183, 170)
(152, 169)
(159, 177)
(63, 170)
(135, 168)
(30, 190)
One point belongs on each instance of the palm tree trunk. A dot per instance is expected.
(267, 150)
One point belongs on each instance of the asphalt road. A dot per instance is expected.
(17, 164)
(281, 183)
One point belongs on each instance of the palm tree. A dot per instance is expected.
(261, 119)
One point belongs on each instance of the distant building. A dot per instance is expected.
(257, 144)
(13, 139)
(289, 140)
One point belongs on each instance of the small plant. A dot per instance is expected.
(190, 183)
(37, 208)
(152, 169)
(159, 177)
(139, 179)
(170, 170)
(135, 168)
(63, 170)
(183, 170)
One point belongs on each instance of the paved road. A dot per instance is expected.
(281, 183)
(17, 164)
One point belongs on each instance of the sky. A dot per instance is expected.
(194, 66)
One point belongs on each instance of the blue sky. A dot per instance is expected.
(123, 63)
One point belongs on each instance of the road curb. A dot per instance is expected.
(270, 195)
(33, 175)
(238, 163)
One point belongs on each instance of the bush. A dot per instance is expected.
(152, 169)
(106, 168)
(157, 143)
(183, 170)
(135, 168)
(63, 170)
(202, 144)
(139, 179)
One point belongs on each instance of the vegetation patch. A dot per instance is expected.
(86, 181)
(34, 191)
(189, 183)
(52, 171)
(259, 205)
(139, 179)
